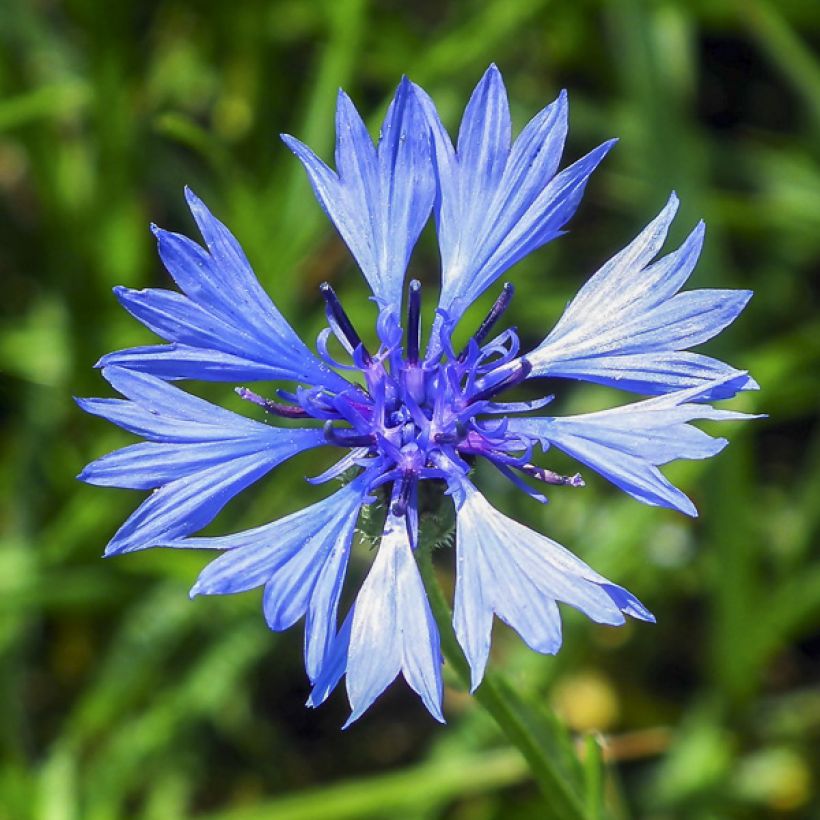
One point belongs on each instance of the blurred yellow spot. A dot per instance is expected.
(587, 701)
(777, 777)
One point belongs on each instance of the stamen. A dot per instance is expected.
(355, 458)
(287, 411)
(518, 406)
(519, 482)
(318, 403)
(514, 377)
(343, 438)
(549, 477)
(414, 322)
(496, 311)
(340, 322)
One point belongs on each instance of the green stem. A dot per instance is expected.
(505, 706)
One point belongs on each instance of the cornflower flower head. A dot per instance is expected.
(414, 414)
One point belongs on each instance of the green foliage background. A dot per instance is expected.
(121, 698)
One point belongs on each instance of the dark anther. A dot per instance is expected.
(514, 377)
(452, 438)
(347, 438)
(496, 311)
(288, 411)
(446, 438)
(340, 322)
(414, 322)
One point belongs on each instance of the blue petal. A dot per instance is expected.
(628, 603)
(335, 664)
(301, 559)
(143, 422)
(658, 373)
(199, 457)
(223, 326)
(160, 412)
(627, 444)
(381, 197)
(507, 569)
(174, 316)
(148, 465)
(389, 629)
(545, 217)
(178, 361)
(496, 204)
(628, 326)
(393, 629)
(483, 148)
(188, 504)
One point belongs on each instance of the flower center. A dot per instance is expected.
(413, 418)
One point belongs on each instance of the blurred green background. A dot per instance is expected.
(121, 698)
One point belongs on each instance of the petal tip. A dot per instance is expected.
(405, 86)
(113, 547)
(492, 72)
(198, 208)
(354, 716)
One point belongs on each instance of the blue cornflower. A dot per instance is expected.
(407, 412)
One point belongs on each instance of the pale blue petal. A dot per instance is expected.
(229, 285)
(222, 312)
(615, 284)
(628, 326)
(686, 320)
(199, 457)
(495, 203)
(407, 188)
(658, 373)
(534, 157)
(483, 148)
(150, 425)
(178, 361)
(544, 218)
(251, 557)
(157, 397)
(381, 197)
(174, 316)
(321, 615)
(627, 444)
(393, 629)
(507, 569)
(162, 412)
(148, 465)
(334, 666)
(188, 504)
(300, 559)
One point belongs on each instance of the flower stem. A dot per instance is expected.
(508, 709)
